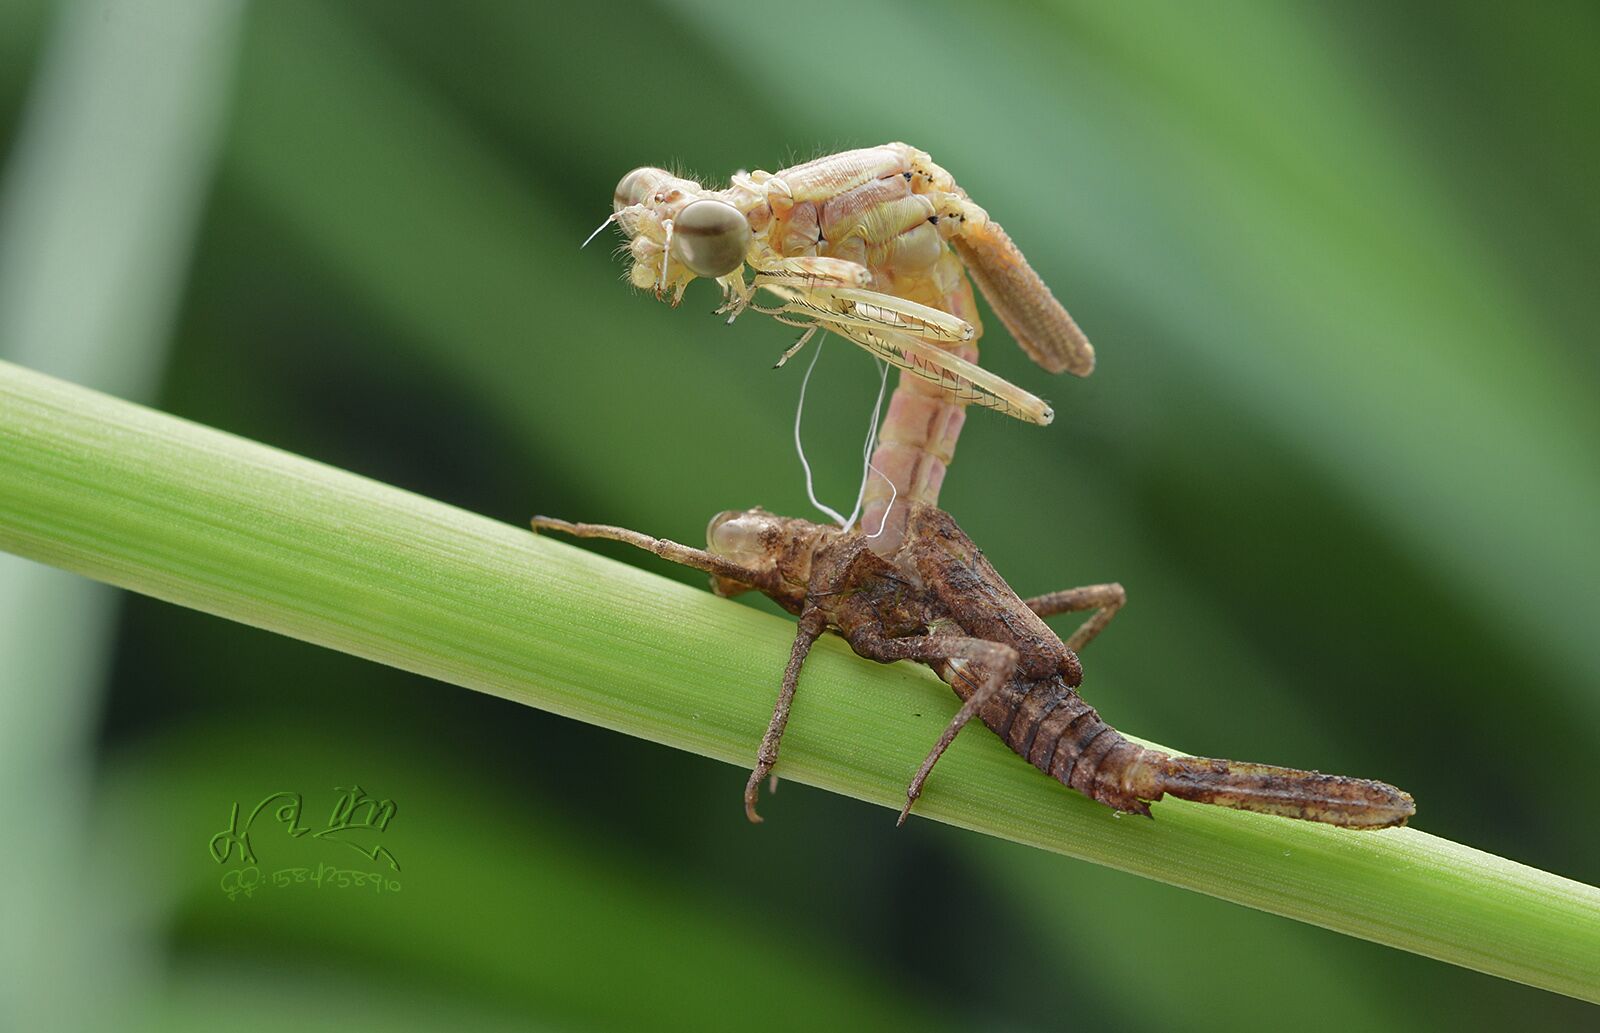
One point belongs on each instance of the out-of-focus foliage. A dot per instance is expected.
(1338, 264)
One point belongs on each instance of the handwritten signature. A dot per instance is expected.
(356, 819)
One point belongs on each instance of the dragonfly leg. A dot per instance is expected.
(789, 352)
(805, 271)
(887, 312)
(812, 624)
(737, 295)
(870, 310)
(1105, 600)
(666, 549)
(987, 668)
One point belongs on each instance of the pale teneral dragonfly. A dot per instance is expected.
(873, 245)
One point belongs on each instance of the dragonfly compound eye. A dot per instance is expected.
(710, 237)
(636, 186)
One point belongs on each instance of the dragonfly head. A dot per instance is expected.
(677, 230)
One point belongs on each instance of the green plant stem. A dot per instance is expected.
(207, 520)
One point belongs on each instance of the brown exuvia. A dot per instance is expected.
(937, 600)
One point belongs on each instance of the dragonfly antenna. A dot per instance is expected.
(597, 230)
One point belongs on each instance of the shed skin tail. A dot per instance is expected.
(1356, 803)
(1049, 725)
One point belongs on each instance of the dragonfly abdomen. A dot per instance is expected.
(1049, 725)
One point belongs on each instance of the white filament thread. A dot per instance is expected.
(846, 523)
(799, 410)
(866, 450)
(894, 493)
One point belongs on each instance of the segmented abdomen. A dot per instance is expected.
(1047, 723)
(918, 437)
(1051, 727)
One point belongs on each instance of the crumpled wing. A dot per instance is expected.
(955, 376)
(1022, 301)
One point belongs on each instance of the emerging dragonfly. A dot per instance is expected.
(875, 246)
(937, 600)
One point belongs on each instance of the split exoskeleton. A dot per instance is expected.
(874, 245)
(937, 600)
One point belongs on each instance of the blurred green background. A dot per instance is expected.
(1339, 267)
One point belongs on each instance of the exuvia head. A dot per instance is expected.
(749, 537)
(761, 541)
(677, 230)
